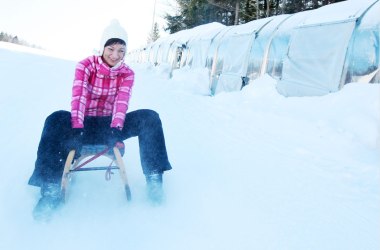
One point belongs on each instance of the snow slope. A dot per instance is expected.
(251, 169)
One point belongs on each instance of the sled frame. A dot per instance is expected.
(95, 151)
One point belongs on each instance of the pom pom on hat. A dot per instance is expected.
(113, 30)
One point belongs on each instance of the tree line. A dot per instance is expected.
(192, 13)
(14, 39)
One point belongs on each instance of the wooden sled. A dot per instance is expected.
(95, 151)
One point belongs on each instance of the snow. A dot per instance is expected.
(338, 12)
(251, 169)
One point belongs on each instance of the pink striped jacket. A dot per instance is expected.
(99, 90)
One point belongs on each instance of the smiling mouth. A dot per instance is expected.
(113, 61)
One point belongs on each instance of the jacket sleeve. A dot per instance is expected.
(79, 95)
(122, 100)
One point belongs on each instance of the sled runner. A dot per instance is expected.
(94, 151)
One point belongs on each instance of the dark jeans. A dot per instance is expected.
(52, 153)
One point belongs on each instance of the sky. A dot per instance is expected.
(251, 169)
(72, 28)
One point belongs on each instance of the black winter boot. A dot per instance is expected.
(154, 187)
(49, 202)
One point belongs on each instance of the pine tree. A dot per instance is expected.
(15, 40)
(174, 23)
(154, 34)
(192, 13)
(293, 6)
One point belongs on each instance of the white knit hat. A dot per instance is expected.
(113, 30)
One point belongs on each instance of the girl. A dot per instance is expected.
(100, 97)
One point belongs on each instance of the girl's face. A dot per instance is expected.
(113, 54)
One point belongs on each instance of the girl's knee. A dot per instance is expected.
(58, 117)
(151, 116)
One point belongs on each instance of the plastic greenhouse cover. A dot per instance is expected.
(280, 43)
(364, 52)
(207, 31)
(338, 12)
(201, 31)
(199, 44)
(293, 21)
(248, 28)
(261, 44)
(315, 60)
(238, 39)
(372, 17)
(233, 66)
